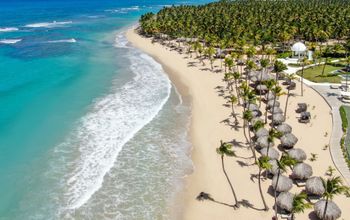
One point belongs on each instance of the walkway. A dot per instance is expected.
(331, 97)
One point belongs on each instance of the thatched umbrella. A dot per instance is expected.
(261, 132)
(255, 120)
(278, 119)
(274, 167)
(333, 211)
(254, 79)
(297, 154)
(314, 186)
(273, 153)
(288, 140)
(261, 88)
(284, 183)
(284, 128)
(276, 110)
(285, 201)
(302, 171)
(263, 142)
(270, 104)
(253, 107)
(256, 113)
(270, 97)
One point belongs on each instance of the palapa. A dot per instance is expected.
(272, 154)
(261, 132)
(297, 154)
(285, 201)
(314, 186)
(284, 183)
(278, 119)
(333, 211)
(288, 140)
(284, 128)
(302, 171)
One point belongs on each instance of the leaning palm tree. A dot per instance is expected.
(282, 164)
(333, 186)
(277, 91)
(236, 77)
(225, 149)
(299, 204)
(233, 100)
(269, 85)
(278, 68)
(247, 117)
(263, 164)
(264, 64)
(210, 52)
(290, 78)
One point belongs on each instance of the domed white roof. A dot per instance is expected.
(299, 47)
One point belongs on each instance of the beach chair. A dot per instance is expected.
(334, 86)
(302, 107)
(305, 117)
(313, 198)
(300, 183)
(285, 214)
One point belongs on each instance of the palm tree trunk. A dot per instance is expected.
(260, 90)
(275, 193)
(302, 82)
(228, 180)
(237, 91)
(251, 146)
(285, 108)
(266, 208)
(325, 209)
(273, 110)
(234, 113)
(267, 95)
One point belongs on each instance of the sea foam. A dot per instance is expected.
(111, 123)
(10, 41)
(72, 40)
(48, 24)
(8, 29)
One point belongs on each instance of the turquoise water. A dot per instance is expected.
(90, 128)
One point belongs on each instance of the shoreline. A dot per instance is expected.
(199, 84)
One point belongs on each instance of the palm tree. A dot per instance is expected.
(299, 204)
(264, 64)
(277, 91)
(278, 68)
(290, 78)
(236, 77)
(333, 186)
(228, 63)
(263, 164)
(303, 63)
(326, 60)
(233, 100)
(225, 149)
(210, 51)
(270, 84)
(247, 117)
(284, 162)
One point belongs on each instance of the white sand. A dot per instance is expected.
(207, 130)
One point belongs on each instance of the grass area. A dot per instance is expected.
(345, 140)
(314, 74)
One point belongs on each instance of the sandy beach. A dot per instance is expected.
(208, 127)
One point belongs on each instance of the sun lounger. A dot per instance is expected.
(305, 117)
(300, 183)
(334, 86)
(302, 107)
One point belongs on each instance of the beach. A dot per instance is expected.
(209, 115)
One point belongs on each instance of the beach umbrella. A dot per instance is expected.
(274, 167)
(285, 201)
(253, 74)
(263, 142)
(302, 171)
(261, 132)
(255, 120)
(270, 96)
(273, 153)
(297, 154)
(278, 119)
(314, 186)
(270, 104)
(284, 128)
(284, 183)
(256, 113)
(261, 88)
(254, 79)
(253, 107)
(276, 110)
(333, 211)
(288, 140)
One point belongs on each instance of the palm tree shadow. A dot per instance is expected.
(313, 216)
(243, 164)
(206, 196)
(245, 203)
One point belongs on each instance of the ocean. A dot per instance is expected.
(90, 127)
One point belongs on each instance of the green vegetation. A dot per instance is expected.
(314, 74)
(345, 140)
(253, 22)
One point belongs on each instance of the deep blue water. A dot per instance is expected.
(68, 87)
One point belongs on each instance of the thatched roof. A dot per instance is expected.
(270, 96)
(297, 154)
(255, 120)
(261, 88)
(253, 107)
(278, 119)
(273, 153)
(261, 132)
(285, 201)
(302, 171)
(288, 140)
(284, 128)
(256, 113)
(274, 167)
(276, 110)
(263, 142)
(333, 211)
(284, 183)
(314, 186)
(270, 104)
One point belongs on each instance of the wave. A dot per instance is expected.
(48, 24)
(72, 40)
(120, 41)
(10, 41)
(111, 123)
(8, 29)
(124, 10)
